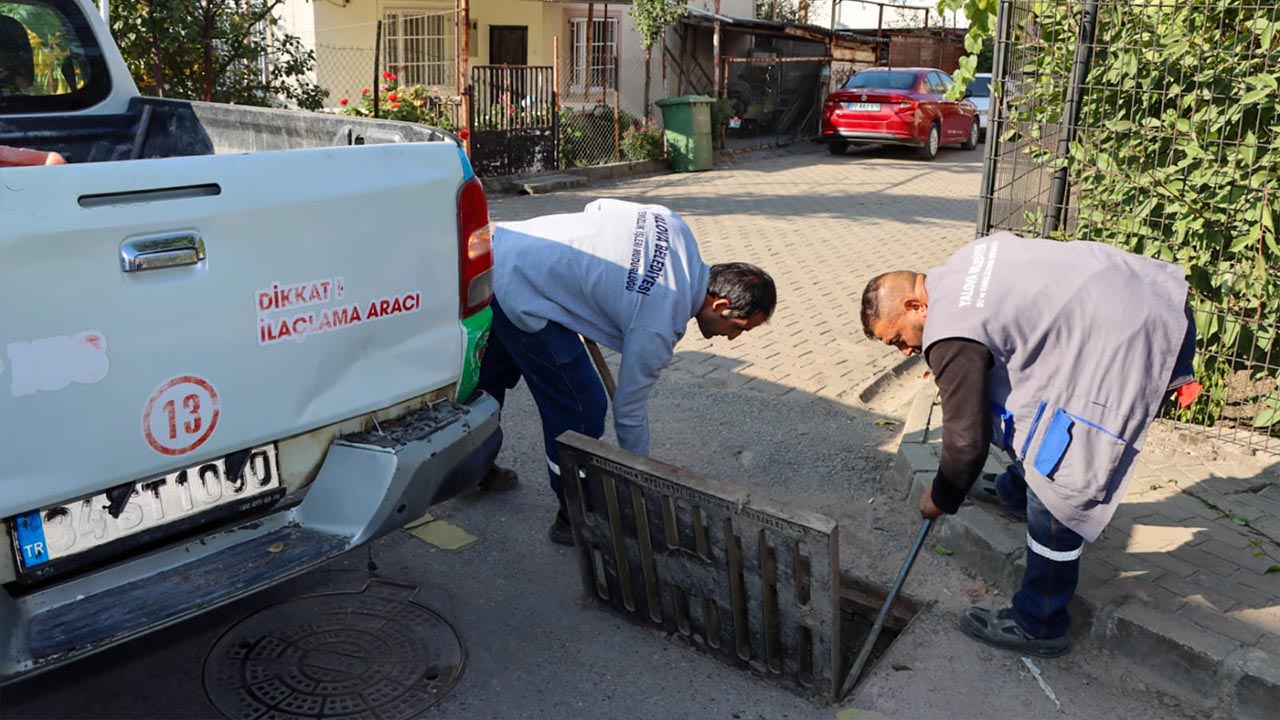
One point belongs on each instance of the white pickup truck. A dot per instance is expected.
(234, 342)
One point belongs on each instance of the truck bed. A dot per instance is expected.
(158, 128)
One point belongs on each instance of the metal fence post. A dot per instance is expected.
(999, 83)
(1071, 114)
(377, 64)
(464, 19)
(555, 101)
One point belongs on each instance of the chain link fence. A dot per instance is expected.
(344, 71)
(1153, 126)
(419, 49)
(602, 116)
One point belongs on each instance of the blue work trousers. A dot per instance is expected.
(561, 378)
(1053, 562)
(1053, 549)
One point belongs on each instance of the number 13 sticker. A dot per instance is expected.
(180, 415)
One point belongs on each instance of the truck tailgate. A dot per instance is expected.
(328, 288)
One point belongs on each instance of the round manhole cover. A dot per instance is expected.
(367, 654)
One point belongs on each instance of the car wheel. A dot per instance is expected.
(837, 148)
(972, 142)
(929, 150)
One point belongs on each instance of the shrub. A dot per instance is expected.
(410, 103)
(587, 135)
(643, 142)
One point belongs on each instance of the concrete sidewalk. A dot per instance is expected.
(1177, 585)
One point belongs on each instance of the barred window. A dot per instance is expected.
(419, 47)
(604, 48)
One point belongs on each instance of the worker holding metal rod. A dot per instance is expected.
(1060, 354)
(625, 275)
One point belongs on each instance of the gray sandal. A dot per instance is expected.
(997, 628)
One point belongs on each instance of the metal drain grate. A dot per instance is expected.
(752, 582)
(367, 654)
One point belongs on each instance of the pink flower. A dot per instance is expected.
(343, 102)
(435, 89)
(511, 111)
(383, 88)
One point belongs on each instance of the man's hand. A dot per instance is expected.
(929, 511)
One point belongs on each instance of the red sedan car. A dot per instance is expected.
(898, 106)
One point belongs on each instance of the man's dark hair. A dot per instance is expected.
(748, 289)
(871, 303)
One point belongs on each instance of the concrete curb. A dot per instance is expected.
(1203, 669)
(510, 184)
(886, 376)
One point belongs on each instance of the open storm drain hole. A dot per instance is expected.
(860, 604)
(371, 653)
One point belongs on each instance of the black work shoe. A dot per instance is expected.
(984, 491)
(999, 629)
(499, 479)
(560, 532)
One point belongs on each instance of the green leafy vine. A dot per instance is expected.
(1177, 157)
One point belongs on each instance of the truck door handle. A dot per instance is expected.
(161, 251)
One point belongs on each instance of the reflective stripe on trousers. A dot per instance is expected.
(1053, 563)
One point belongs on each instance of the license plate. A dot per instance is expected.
(63, 531)
(863, 107)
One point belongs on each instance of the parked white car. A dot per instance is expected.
(237, 342)
(980, 95)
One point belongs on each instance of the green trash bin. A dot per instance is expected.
(687, 119)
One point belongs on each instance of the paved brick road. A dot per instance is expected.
(822, 226)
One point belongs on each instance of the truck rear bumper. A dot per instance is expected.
(369, 485)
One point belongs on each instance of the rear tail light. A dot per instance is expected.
(475, 249)
(902, 104)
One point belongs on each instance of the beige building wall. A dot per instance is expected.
(344, 38)
(631, 72)
(533, 15)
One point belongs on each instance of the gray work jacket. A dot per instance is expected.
(1083, 338)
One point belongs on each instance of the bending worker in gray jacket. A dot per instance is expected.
(625, 275)
(1060, 354)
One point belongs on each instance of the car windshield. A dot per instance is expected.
(980, 87)
(885, 79)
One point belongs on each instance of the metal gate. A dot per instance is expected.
(779, 96)
(515, 126)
